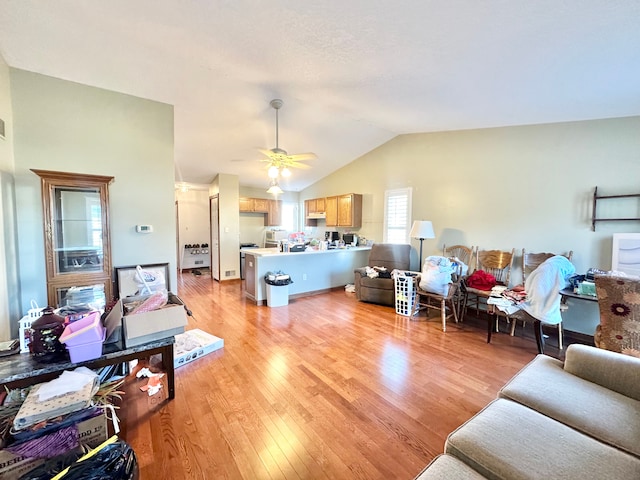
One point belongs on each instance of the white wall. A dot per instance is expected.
(227, 187)
(10, 311)
(65, 126)
(524, 187)
(193, 218)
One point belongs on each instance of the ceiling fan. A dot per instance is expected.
(279, 160)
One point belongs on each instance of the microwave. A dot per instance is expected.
(275, 235)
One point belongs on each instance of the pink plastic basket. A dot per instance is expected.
(86, 351)
(86, 330)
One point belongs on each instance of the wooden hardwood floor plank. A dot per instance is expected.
(326, 387)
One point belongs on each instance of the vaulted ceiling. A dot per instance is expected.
(352, 74)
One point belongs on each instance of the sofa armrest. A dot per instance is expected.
(362, 271)
(612, 370)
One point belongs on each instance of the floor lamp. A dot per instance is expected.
(422, 229)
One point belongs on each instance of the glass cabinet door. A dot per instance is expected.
(76, 235)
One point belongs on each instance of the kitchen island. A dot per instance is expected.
(312, 271)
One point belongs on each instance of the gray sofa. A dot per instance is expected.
(381, 290)
(574, 420)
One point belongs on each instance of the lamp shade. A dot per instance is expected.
(422, 229)
(274, 188)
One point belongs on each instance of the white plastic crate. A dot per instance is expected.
(405, 284)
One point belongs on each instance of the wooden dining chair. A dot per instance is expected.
(465, 255)
(462, 252)
(531, 261)
(444, 302)
(496, 262)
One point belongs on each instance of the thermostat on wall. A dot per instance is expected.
(144, 228)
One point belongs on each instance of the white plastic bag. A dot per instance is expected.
(436, 275)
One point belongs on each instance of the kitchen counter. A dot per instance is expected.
(261, 252)
(312, 271)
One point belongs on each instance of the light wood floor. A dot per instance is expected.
(326, 387)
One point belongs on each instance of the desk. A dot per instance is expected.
(567, 292)
(21, 370)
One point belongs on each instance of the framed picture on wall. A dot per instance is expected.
(141, 279)
(625, 255)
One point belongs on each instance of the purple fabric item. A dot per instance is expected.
(56, 443)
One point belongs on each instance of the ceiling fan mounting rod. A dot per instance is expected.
(276, 104)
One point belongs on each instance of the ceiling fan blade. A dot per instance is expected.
(266, 152)
(299, 165)
(301, 157)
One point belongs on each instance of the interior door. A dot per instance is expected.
(215, 237)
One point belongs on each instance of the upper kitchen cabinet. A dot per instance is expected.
(314, 209)
(274, 217)
(344, 210)
(261, 205)
(254, 205)
(76, 238)
(272, 209)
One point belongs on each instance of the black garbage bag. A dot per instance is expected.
(114, 461)
(278, 278)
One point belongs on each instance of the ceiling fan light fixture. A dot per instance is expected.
(274, 188)
(286, 172)
(273, 171)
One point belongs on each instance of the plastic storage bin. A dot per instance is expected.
(86, 330)
(405, 284)
(86, 351)
(84, 338)
(277, 295)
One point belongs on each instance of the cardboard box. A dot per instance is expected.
(165, 322)
(194, 344)
(92, 432)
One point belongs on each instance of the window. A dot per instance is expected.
(289, 222)
(397, 215)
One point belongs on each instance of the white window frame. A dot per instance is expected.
(389, 194)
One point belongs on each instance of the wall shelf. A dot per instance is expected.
(597, 197)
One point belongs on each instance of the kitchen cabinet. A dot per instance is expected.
(314, 209)
(314, 205)
(76, 238)
(344, 210)
(272, 209)
(261, 205)
(274, 216)
(331, 204)
(246, 204)
(254, 205)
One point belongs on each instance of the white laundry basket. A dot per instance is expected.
(405, 285)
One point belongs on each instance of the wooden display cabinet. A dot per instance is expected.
(76, 238)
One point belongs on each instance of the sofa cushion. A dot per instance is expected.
(545, 386)
(507, 440)
(447, 467)
(612, 370)
(390, 255)
(377, 282)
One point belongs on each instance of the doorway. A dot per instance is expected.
(215, 237)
